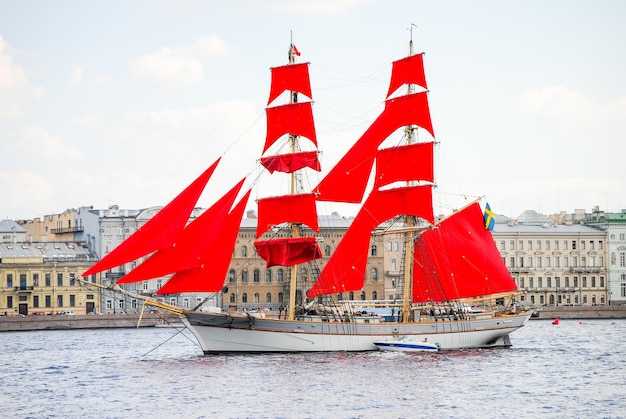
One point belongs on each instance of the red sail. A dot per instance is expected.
(293, 118)
(404, 163)
(346, 269)
(160, 231)
(289, 163)
(187, 251)
(215, 259)
(459, 259)
(289, 208)
(293, 77)
(355, 167)
(408, 70)
(288, 251)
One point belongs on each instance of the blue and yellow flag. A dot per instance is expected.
(490, 220)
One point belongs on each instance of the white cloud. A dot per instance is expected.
(23, 191)
(15, 88)
(35, 141)
(318, 6)
(179, 67)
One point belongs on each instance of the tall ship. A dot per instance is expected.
(450, 263)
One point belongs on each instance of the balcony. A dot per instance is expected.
(24, 288)
(519, 270)
(77, 229)
(585, 270)
(393, 274)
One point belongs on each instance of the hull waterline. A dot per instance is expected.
(218, 333)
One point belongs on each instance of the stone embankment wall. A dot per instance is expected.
(59, 322)
(582, 312)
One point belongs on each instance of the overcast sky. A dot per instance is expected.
(126, 102)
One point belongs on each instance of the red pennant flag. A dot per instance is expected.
(295, 50)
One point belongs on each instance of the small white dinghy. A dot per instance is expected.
(406, 344)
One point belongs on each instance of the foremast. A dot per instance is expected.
(288, 212)
(295, 229)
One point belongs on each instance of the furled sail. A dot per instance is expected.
(355, 167)
(191, 248)
(209, 275)
(291, 162)
(458, 259)
(160, 231)
(289, 252)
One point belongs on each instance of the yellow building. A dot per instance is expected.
(40, 278)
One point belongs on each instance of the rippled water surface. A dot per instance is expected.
(573, 370)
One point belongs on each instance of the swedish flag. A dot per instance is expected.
(490, 220)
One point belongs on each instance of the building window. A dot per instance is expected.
(362, 295)
(268, 276)
(351, 295)
(48, 300)
(256, 276)
(35, 301)
(327, 250)
(256, 297)
(373, 250)
(48, 280)
(59, 301)
(9, 301)
(60, 280)
(244, 298)
(268, 297)
(72, 300)
(374, 274)
(231, 276)
(9, 280)
(281, 275)
(244, 276)
(244, 251)
(35, 280)
(232, 298)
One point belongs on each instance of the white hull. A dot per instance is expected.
(236, 333)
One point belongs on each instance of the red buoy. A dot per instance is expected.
(556, 321)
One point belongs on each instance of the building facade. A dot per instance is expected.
(40, 278)
(555, 264)
(614, 226)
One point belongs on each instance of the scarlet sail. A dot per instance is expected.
(408, 70)
(214, 261)
(355, 167)
(294, 118)
(291, 162)
(288, 252)
(160, 231)
(191, 248)
(294, 77)
(346, 269)
(459, 259)
(289, 208)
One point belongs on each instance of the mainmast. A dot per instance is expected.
(410, 132)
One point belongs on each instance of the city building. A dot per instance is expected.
(555, 264)
(40, 278)
(614, 226)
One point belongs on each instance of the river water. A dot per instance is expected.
(572, 370)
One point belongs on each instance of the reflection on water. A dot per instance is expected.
(575, 369)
